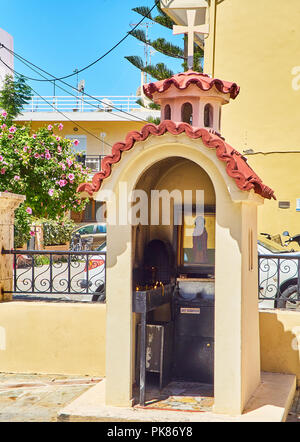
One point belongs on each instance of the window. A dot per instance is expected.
(208, 115)
(82, 142)
(167, 112)
(187, 113)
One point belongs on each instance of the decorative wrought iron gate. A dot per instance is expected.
(55, 274)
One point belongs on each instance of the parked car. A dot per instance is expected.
(95, 275)
(93, 234)
(278, 268)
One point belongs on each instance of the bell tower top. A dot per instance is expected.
(192, 97)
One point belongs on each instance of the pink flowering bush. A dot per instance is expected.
(41, 166)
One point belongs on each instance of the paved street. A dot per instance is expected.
(38, 398)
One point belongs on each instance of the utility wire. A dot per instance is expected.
(109, 51)
(76, 124)
(76, 96)
(23, 60)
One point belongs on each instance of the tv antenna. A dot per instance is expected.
(147, 47)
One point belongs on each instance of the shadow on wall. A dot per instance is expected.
(280, 341)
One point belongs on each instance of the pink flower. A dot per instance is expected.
(10, 136)
(57, 138)
(4, 114)
(50, 127)
(48, 156)
(62, 183)
(63, 166)
(1, 158)
(71, 176)
(76, 142)
(12, 129)
(31, 233)
(50, 192)
(3, 171)
(34, 136)
(60, 126)
(29, 210)
(3, 126)
(63, 206)
(16, 178)
(59, 148)
(25, 148)
(69, 162)
(36, 155)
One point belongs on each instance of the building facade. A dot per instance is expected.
(257, 44)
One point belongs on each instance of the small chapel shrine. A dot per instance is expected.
(181, 292)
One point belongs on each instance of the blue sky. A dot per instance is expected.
(61, 35)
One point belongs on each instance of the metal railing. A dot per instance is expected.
(58, 274)
(279, 281)
(93, 162)
(82, 104)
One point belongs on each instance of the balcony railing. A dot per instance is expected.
(82, 104)
(93, 162)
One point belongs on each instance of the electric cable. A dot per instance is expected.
(24, 60)
(109, 51)
(65, 116)
(76, 96)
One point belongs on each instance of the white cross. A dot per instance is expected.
(191, 29)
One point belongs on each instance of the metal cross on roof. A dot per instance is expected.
(190, 30)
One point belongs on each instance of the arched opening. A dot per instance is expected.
(187, 244)
(187, 113)
(208, 115)
(167, 112)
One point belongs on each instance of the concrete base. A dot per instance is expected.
(270, 403)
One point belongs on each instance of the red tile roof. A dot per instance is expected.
(183, 80)
(236, 165)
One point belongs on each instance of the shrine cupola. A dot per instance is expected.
(192, 97)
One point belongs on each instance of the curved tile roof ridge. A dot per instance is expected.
(236, 165)
(184, 79)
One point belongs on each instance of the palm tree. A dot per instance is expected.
(160, 71)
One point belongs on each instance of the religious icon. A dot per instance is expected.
(200, 241)
(197, 240)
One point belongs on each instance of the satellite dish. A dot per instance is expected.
(81, 86)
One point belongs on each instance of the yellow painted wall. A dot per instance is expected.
(279, 338)
(58, 338)
(257, 46)
(115, 131)
(281, 172)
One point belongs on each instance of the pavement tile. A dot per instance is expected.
(38, 398)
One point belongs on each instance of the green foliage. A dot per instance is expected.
(57, 232)
(22, 226)
(14, 95)
(154, 120)
(41, 166)
(160, 71)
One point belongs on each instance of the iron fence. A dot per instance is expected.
(279, 281)
(49, 273)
